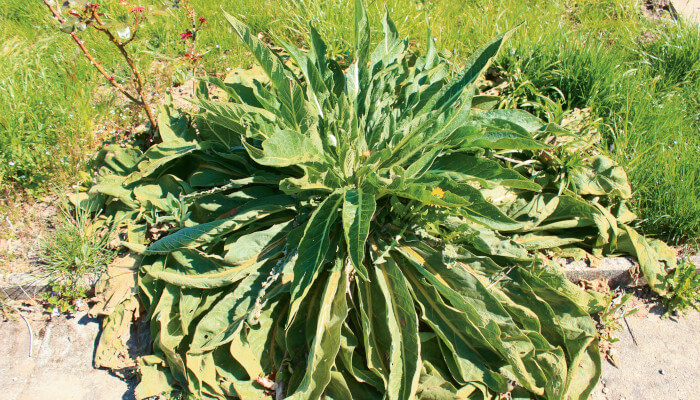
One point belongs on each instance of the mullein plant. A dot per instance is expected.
(375, 232)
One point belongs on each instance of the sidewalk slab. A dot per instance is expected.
(61, 364)
(689, 10)
(663, 364)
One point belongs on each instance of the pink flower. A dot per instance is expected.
(139, 10)
(202, 20)
(186, 35)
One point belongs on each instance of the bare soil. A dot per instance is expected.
(23, 226)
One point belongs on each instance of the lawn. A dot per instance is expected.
(638, 76)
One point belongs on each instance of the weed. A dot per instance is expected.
(613, 312)
(684, 289)
(77, 246)
(64, 297)
(609, 321)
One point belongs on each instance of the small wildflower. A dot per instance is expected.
(438, 192)
(186, 35)
(138, 9)
(55, 312)
(192, 57)
(11, 163)
(202, 20)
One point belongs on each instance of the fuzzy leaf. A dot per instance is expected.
(326, 339)
(207, 232)
(358, 209)
(404, 354)
(283, 149)
(313, 247)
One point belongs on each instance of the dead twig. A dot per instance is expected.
(630, 331)
(29, 328)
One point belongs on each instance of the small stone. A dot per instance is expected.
(605, 390)
(661, 371)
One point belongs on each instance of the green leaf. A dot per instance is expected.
(388, 50)
(362, 35)
(358, 210)
(190, 299)
(290, 94)
(168, 329)
(375, 333)
(208, 272)
(156, 379)
(343, 387)
(352, 359)
(603, 178)
(159, 155)
(458, 334)
(283, 149)
(251, 247)
(326, 338)
(312, 249)
(468, 200)
(650, 263)
(112, 185)
(208, 232)
(404, 354)
(173, 127)
(317, 91)
(464, 167)
(225, 318)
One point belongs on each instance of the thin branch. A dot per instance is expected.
(92, 60)
(138, 79)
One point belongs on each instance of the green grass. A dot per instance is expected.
(641, 78)
(77, 246)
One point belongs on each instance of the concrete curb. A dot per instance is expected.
(20, 286)
(620, 271)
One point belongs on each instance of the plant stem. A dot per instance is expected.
(92, 60)
(141, 99)
(138, 79)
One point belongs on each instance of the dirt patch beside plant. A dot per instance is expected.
(23, 225)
